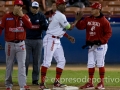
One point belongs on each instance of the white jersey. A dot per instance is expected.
(57, 24)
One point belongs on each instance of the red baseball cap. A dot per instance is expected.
(18, 2)
(58, 2)
(96, 5)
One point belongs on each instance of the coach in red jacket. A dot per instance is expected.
(98, 32)
(14, 25)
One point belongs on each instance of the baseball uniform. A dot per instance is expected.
(15, 45)
(98, 32)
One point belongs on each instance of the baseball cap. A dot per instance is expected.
(18, 2)
(35, 4)
(58, 2)
(96, 5)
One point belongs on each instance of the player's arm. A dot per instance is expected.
(107, 32)
(72, 39)
(26, 21)
(79, 23)
(63, 21)
(68, 26)
(78, 16)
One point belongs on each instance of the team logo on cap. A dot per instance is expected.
(96, 5)
(36, 4)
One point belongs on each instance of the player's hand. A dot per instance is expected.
(78, 15)
(72, 39)
(20, 12)
(72, 26)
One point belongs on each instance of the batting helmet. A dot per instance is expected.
(96, 5)
(18, 2)
(58, 2)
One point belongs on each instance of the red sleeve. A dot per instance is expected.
(2, 24)
(26, 21)
(107, 31)
(65, 35)
(81, 24)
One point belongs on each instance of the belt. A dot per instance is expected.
(56, 37)
(16, 41)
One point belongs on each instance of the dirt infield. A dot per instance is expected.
(67, 67)
(74, 67)
(16, 87)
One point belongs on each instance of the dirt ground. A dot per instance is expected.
(16, 87)
(74, 67)
(67, 67)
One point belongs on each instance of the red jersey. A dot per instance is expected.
(14, 26)
(96, 28)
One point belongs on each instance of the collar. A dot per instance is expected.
(33, 14)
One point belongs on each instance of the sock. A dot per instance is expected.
(102, 73)
(58, 74)
(91, 74)
(43, 73)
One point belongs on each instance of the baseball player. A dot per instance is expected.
(14, 24)
(98, 32)
(52, 44)
(50, 16)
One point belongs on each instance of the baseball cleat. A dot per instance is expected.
(100, 86)
(43, 87)
(8, 88)
(59, 85)
(25, 88)
(87, 86)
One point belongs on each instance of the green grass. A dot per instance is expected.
(112, 78)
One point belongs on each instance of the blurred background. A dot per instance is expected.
(74, 54)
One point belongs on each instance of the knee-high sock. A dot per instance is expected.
(91, 74)
(58, 74)
(43, 73)
(102, 73)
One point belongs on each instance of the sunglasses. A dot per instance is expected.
(35, 7)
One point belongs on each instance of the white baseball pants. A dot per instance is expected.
(52, 48)
(96, 55)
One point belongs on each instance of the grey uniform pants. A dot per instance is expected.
(34, 47)
(17, 50)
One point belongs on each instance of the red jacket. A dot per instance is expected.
(96, 28)
(14, 26)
